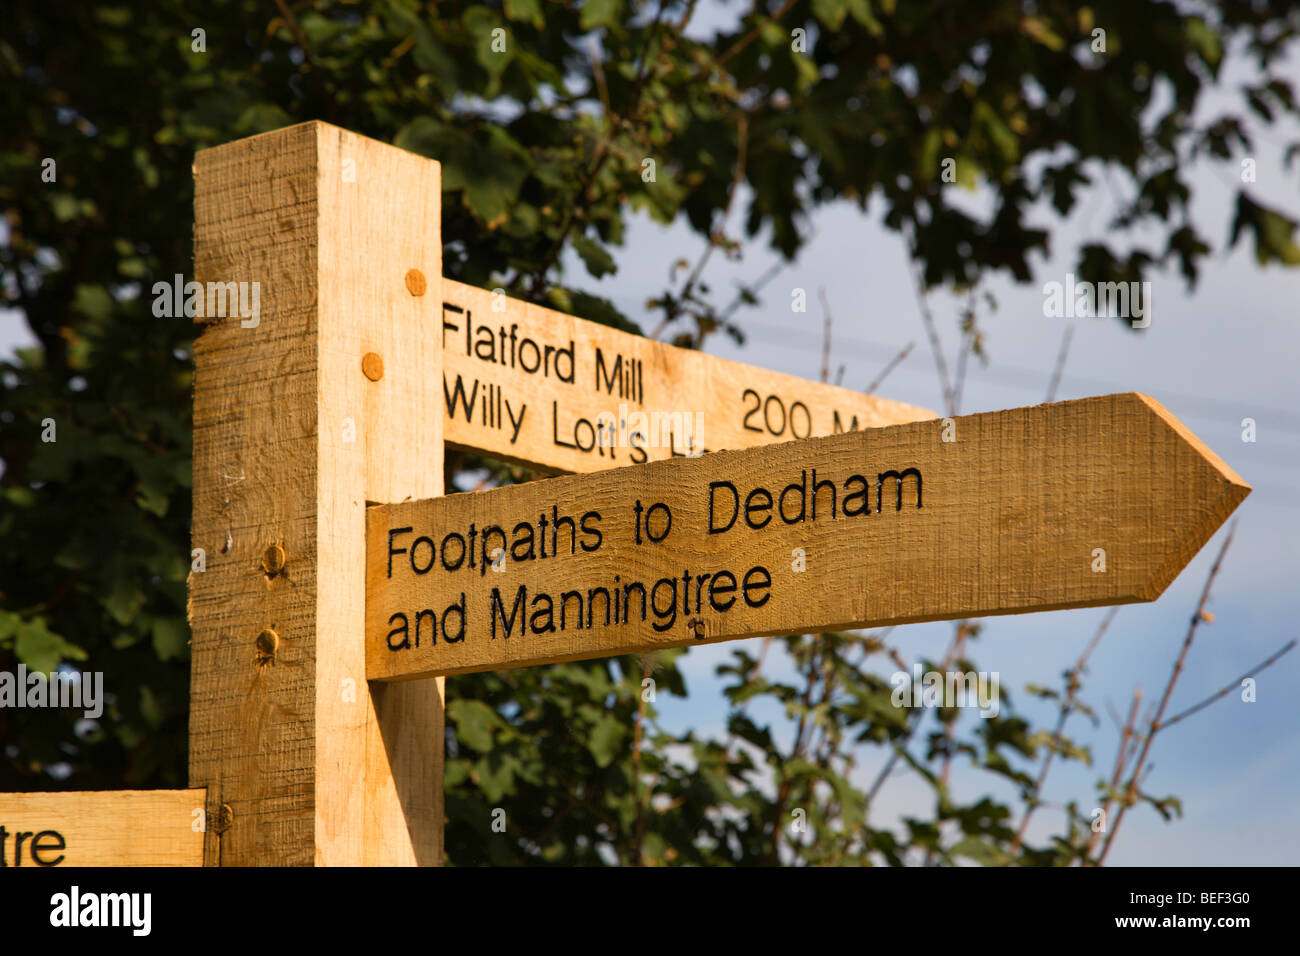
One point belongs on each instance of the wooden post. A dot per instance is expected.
(325, 395)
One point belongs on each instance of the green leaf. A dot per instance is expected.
(474, 723)
(40, 648)
(773, 34)
(171, 637)
(830, 12)
(455, 773)
(94, 301)
(262, 118)
(1275, 239)
(981, 851)
(64, 206)
(605, 739)
(490, 174)
(124, 599)
(598, 261)
(600, 13)
(1205, 40)
(807, 70)
(1274, 233)
(860, 10)
(430, 56)
(493, 51)
(928, 157)
(560, 298)
(1040, 31)
(529, 11)
(152, 498)
(594, 309)
(1004, 141)
(151, 708)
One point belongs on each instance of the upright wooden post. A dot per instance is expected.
(327, 398)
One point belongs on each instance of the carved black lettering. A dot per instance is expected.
(762, 580)
(403, 630)
(499, 610)
(898, 477)
(724, 582)
(762, 504)
(758, 404)
(735, 506)
(38, 847)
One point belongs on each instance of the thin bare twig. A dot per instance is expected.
(1263, 665)
(598, 71)
(647, 666)
(738, 177)
(686, 17)
(936, 347)
(1114, 716)
(894, 756)
(750, 678)
(768, 275)
(603, 151)
(748, 38)
(797, 751)
(1132, 789)
(959, 386)
(1121, 759)
(301, 40)
(893, 364)
(1073, 683)
(1060, 363)
(717, 235)
(963, 631)
(826, 334)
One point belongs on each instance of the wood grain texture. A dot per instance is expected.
(103, 828)
(291, 440)
(529, 384)
(1007, 518)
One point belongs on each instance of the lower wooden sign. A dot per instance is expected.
(1077, 504)
(102, 828)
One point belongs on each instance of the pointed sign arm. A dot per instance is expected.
(1077, 504)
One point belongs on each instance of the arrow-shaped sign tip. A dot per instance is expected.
(1200, 491)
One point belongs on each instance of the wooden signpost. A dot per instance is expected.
(1077, 504)
(332, 573)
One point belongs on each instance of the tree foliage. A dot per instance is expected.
(554, 121)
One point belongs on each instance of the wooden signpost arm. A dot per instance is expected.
(102, 828)
(527, 384)
(328, 399)
(1078, 504)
